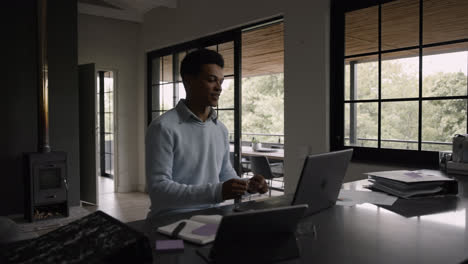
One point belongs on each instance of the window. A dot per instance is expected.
(262, 79)
(399, 81)
(105, 117)
(263, 83)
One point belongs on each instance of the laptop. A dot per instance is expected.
(318, 186)
(261, 236)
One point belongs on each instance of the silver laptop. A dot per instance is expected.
(319, 184)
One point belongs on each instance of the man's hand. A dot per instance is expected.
(233, 188)
(257, 184)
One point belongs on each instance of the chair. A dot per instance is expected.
(261, 165)
(245, 163)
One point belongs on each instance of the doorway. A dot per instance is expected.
(105, 147)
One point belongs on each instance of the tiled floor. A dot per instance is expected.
(126, 207)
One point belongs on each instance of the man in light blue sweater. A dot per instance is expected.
(187, 148)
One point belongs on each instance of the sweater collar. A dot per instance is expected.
(186, 114)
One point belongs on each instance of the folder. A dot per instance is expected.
(412, 184)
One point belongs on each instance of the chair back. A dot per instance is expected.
(260, 165)
(231, 158)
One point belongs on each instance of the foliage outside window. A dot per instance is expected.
(401, 93)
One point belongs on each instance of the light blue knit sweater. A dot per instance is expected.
(187, 161)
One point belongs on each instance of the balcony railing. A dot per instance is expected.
(399, 143)
(261, 137)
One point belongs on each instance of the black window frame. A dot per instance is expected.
(418, 157)
(104, 155)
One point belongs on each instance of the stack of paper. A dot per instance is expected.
(409, 184)
(353, 197)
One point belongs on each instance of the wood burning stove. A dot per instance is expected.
(46, 188)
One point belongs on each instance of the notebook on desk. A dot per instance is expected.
(318, 186)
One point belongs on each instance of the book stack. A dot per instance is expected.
(412, 184)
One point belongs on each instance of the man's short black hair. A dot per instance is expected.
(193, 61)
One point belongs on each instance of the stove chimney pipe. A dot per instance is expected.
(43, 89)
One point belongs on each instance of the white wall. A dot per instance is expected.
(115, 45)
(306, 61)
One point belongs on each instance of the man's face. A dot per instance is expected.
(205, 88)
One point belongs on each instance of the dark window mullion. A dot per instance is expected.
(407, 48)
(440, 98)
(352, 106)
(175, 74)
(102, 128)
(420, 74)
(379, 111)
(436, 98)
(444, 43)
(217, 106)
(161, 83)
(237, 101)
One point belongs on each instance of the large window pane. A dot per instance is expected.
(365, 80)
(361, 124)
(108, 146)
(442, 119)
(263, 104)
(263, 51)
(167, 69)
(108, 102)
(155, 97)
(400, 125)
(108, 82)
(182, 92)
(400, 24)
(226, 100)
(108, 159)
(109, 137)
(444, 20)
(367, 84)
(227, 51)
(346, 81)
(400, 75)
(227, 117)
(361, 31)
(262, 84)
(181, 56)
(155, 70)
(108, 122)
(445, 74)
(166, 96)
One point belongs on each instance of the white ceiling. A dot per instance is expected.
(132, 10)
